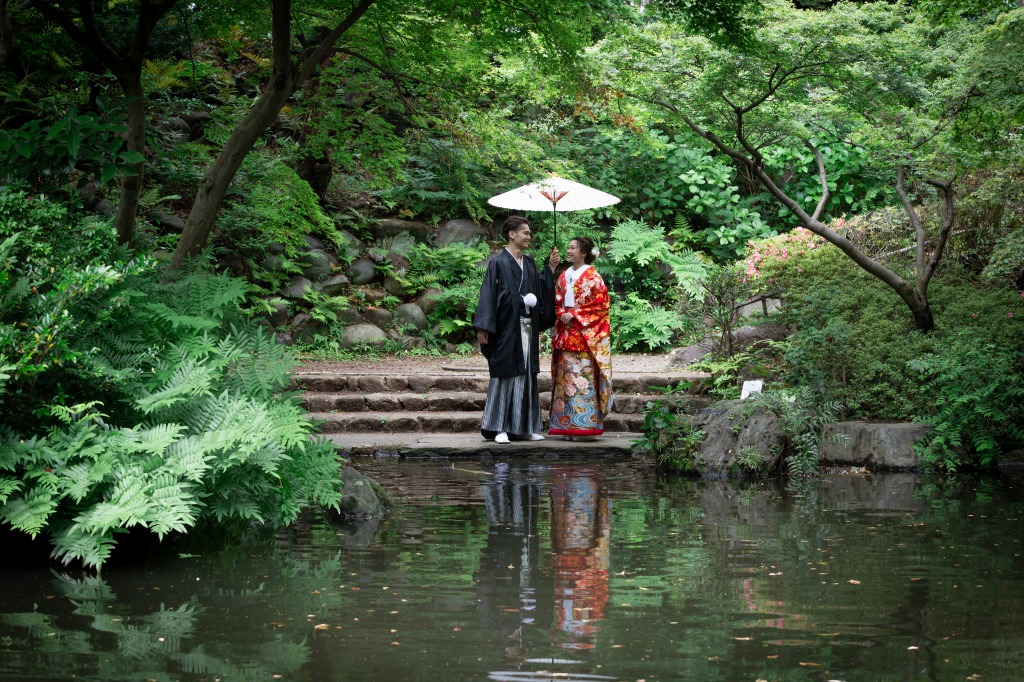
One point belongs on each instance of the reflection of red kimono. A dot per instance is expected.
(581, 361)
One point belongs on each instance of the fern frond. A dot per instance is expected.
(171, 505)
(172, 317)
(125, 505)
(92, 549)
(189, 379)
(8, 486)
(30, 512)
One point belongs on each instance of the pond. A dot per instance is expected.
(567, 570)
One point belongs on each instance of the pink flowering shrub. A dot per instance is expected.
(770, 260)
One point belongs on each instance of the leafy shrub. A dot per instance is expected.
(638, 324)
(725, 373)
(133, 403)
(275, 206)
(78, 147)
(641, 261)
(853, 339)
(1006, 264)
(668, 435)
(977, 401)
(802, 419)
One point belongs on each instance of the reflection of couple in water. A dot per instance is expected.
(518, 593)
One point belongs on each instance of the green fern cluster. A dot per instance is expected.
(640, 255)
(638, 324)
(206, 428)
(803, 417)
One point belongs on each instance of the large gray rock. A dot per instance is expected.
(313, 243)
(166, 220)
(390, 227)
(296, 288)
(362, 335)
(374, 296)
(309, 330)
(400, 244)
(317, 264)
(1012, 459)
(393, 286)
(279, 317)
(681, 357)
(755, 337)
(461, 231)
(410, 314)
(427, 301)
(379, 317)
(728, 429)
(273, 262)
(362, 272)
(349, 315)
(335, 285)
(884, 447)
(349, 246)
(362, 497)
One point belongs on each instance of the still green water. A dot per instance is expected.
(597, 570)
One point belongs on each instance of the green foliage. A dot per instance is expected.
(724, 289)
(749, 460)
(668, 435)
(78, 147)
(852, 344)
(802, 418)
(276, 206)
(54, 266)
(443, 266)
(1006, 265)
(456, 272)
(642, 262)
(977, 402)
(197, 419)
(638, 324)
(672, 176)
(725, 373)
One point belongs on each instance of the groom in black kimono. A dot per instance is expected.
(517, 302)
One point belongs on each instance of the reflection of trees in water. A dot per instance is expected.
(124, 640)
(515, 591)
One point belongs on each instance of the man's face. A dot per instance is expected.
(520, 237)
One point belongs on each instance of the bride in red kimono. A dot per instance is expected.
(581, 359)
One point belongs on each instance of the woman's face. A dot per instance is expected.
(575, 254)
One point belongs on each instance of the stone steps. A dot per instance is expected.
(363, 412)
(441, 401)
(437, 422)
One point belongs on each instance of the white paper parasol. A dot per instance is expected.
(555, 194)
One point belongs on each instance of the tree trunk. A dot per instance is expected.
(8, 44)
(131, 185)
(215, 183)
(287, 77)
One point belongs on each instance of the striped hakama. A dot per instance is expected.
(513, 403)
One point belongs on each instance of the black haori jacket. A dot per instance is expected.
(501, 304)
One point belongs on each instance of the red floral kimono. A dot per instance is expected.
(581, 361)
